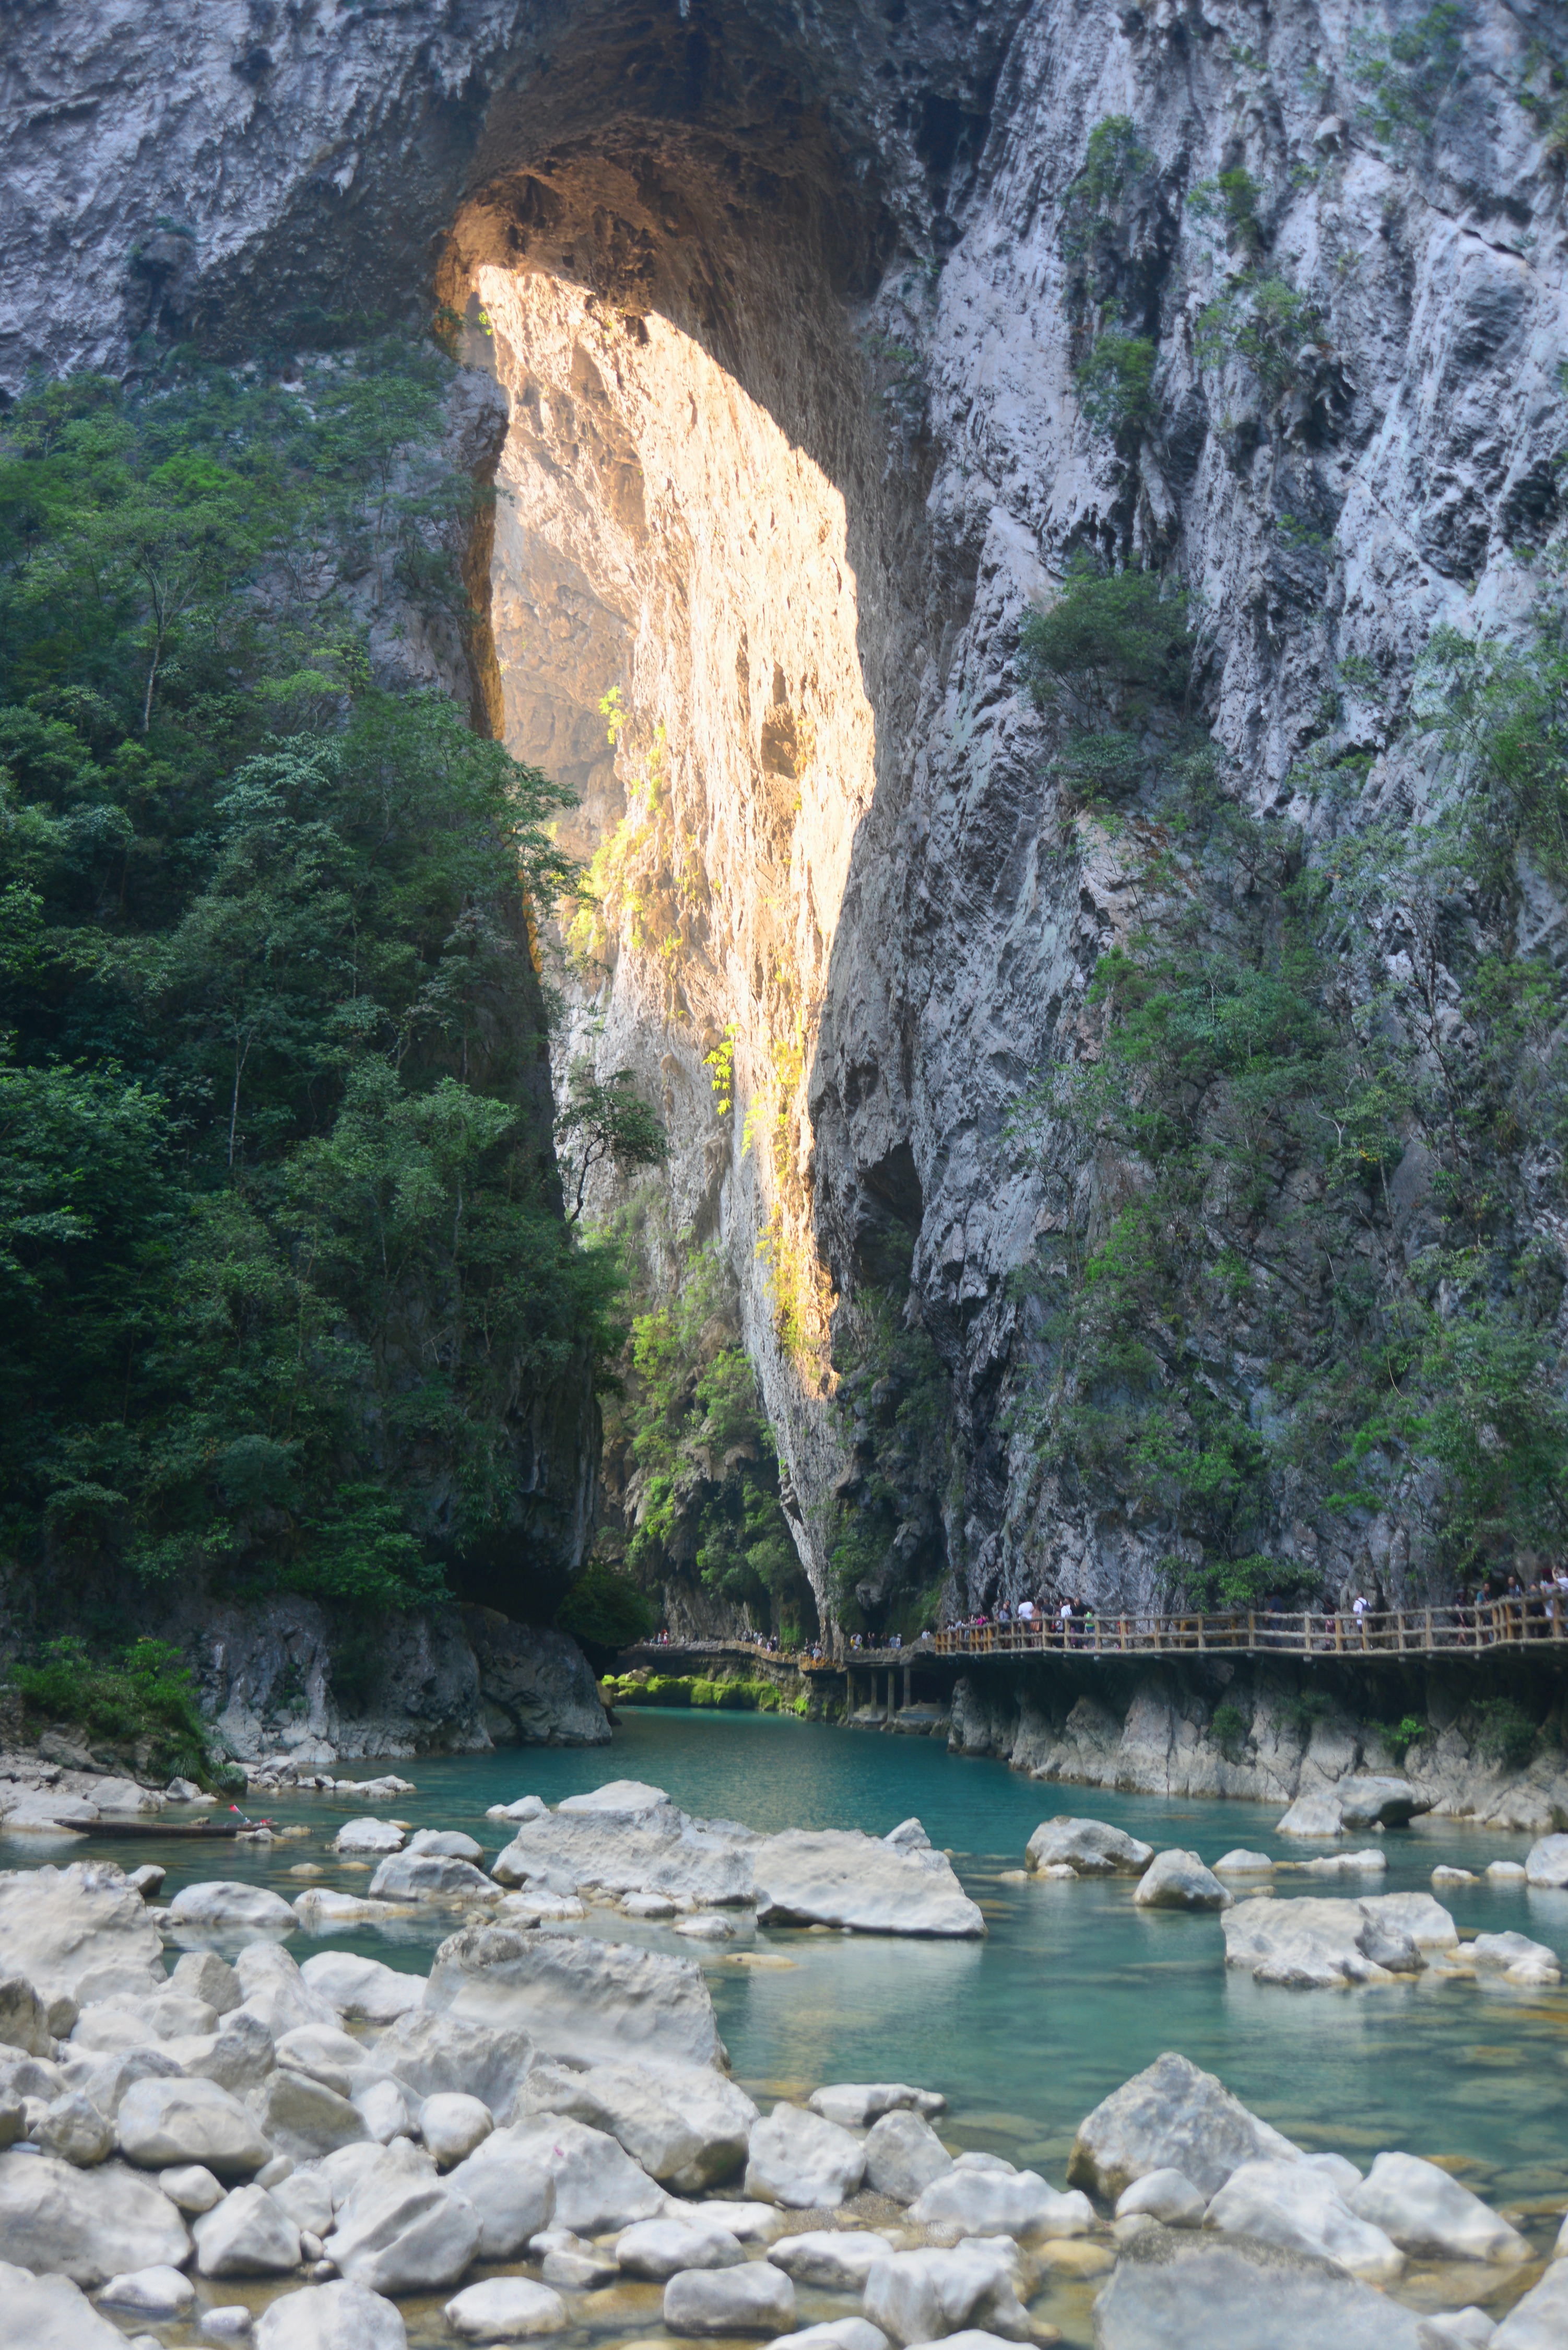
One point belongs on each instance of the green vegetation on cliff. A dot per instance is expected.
(1326, 1094)
(283, 1269)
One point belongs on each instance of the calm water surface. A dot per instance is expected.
(1072, 1991)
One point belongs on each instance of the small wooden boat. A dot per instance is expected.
(149, 1825)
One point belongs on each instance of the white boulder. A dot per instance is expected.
(1170, 2116)
(50, 2312)
(402, 2229)
(1540, 2321)
(86, 2224)
(445, 1844)
(361, 1989)
(1545, 1864)
(855, 2105)
(1297, 2205)
(1242, 1862)
(1001, 2204)
(835, 1877)
(191, 2188)
(24, 2018)
(73, 2128)
(1379, 1799)
(1312, 1815)
(903, 2156)
(1516, 1958)
(369, 1836)
(837, 2334)
(304, 2119)
(505, 2309)
(593, 2002)
(1318, 1944)
(222, 1903)
(247, 2234)
(61, 1927)
(429, 1876)
(452, 2124)
(597, 2185)
(832, 2260)
(338, 2316)
(924, 2296)
(1088, 1847)
(156, 2293)
(659, 2249)
(512, 2190)
(685, 2125)
(1429, 2214)
(434, 2051)
(755, 2298)
(1179, 1880)
(1167, 2196)
(164, 2122)
(802, 2161)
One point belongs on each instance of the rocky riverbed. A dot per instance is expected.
(206, 2137)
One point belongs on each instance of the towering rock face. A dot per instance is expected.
(798, 318)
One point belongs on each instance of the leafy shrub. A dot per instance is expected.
(1409, 75)
(1114, 161)
(1113, 637)
(1115, 383)
(1265, 322)
(1506, 1732)
(1398, 1737)
(150, 1693)
(1230, 1728)
(605, 1609)
(1308, 1708)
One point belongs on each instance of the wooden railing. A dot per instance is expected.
(1542, 1619)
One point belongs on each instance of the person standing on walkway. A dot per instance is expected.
(1067, 1623)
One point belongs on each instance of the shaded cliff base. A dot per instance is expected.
(283, 1690)
(1482, 1742)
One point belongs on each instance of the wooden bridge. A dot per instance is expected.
(1537, 1624)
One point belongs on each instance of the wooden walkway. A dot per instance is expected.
(1539, 1623)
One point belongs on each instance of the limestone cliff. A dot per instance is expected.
(801, 319)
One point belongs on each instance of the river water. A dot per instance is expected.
(1073, 1990)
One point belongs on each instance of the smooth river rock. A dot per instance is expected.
(833, 2260)
(1320, 1944)
(1296, 2204)
(1167, 2196)
(1516, 1958)
(1001, 2204)
(658, 2250)
(1545, 1864)
(833, 1876)
(1177, 2290)
(362, 1990)
(361, 1836)
(338, 2316)
(1179, 1880)
(429, 1877)
(1430, 2215)
(1088, 1847)
(512, 2188)
(60, 1928)
(432, 2052)
(1539, 2321)
(594, 2002)
(87, 2225)
(222, 1903)
(903, 2156)
(802, 2161)
(755, 2298)
(400, 2228)
(50, 2312)
(687, 2125)
(1170, 2116)
(163, 2121)
(505, 2309)
(247, 2234)
(855, 2105)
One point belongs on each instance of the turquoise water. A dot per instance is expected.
(1072, 1991)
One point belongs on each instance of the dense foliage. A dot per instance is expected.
(687, 1442)
(1336, 1091)
(281, 1260)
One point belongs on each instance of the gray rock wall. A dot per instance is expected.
(1153, 1733)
